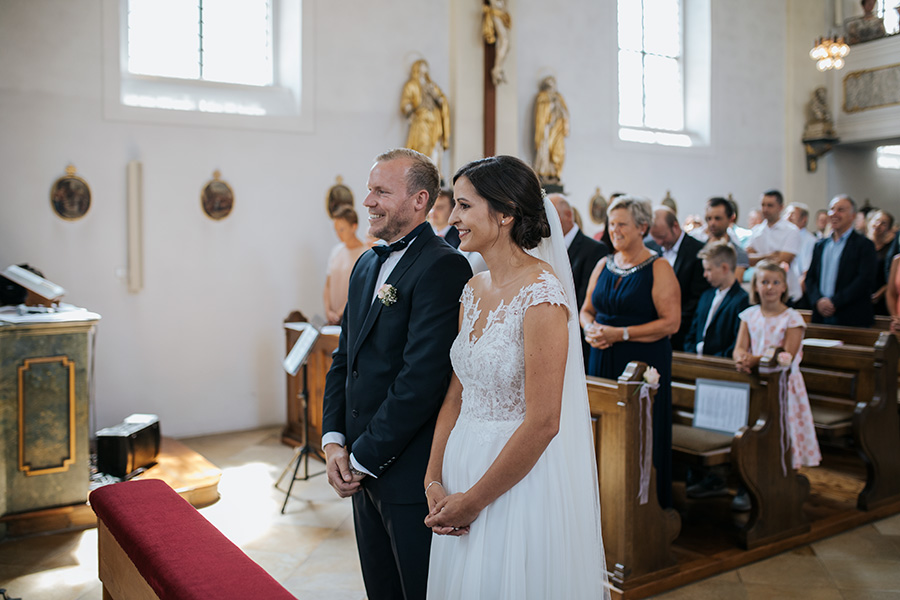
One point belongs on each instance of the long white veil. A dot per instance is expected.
(575, 438)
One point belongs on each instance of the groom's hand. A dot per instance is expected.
(337, 465)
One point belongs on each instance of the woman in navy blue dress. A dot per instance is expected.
(632, 307)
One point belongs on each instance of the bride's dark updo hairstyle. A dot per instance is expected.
(511, 188)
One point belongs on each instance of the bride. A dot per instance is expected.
(512, 481)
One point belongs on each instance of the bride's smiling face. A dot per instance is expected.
(478, 226)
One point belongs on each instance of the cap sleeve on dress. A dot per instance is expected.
(795, 319)
(547, 290)
(747, 313)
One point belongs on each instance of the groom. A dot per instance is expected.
(390, 373)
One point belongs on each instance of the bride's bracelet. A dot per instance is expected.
(428, 487)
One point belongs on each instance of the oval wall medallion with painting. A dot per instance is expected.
(338, 195)
(217, 198)
(70, 196)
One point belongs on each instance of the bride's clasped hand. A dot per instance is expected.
(448, 515)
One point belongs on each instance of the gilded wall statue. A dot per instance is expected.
(425, 106)
(551, 126)
(495, 25)
(818, 117)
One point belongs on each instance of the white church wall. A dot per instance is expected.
(201, 344)
(746, 151)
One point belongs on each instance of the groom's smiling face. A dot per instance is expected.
(391, 208)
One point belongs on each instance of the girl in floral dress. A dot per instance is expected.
(771, 323)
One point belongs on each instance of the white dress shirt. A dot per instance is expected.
(672, 253)
(783, 236)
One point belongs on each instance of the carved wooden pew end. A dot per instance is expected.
(755, 451)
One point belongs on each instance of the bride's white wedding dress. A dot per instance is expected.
(540, 539)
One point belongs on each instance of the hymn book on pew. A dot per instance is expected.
(721, 406)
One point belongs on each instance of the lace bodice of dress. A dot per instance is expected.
(491, 366)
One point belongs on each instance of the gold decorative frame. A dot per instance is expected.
(851, 78)
(70, 196)
(217, 198)
(23, 464)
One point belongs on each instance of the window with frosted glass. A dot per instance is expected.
(888, 157)
(651, 79)
(210, 40)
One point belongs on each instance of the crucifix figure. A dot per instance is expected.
(495, 25)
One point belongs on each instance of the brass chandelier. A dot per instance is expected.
(829, 53)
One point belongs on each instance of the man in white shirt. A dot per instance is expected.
(776, 239)
(719, 218)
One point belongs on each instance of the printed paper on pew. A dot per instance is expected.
(822, 342)
(722, 406)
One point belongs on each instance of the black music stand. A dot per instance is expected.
(296, 358)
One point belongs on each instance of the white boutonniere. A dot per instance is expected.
(387, 295)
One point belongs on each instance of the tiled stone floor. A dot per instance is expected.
(311, 550)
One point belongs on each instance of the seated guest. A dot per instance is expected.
(340, 263)
(880, 230)
(439, 217)
(632, 306)
(841, 278)
(680, 251)
(715, 326)
(584, 253)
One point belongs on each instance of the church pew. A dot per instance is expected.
(882, 323)
(638, 537)
(754, 452)
(153, 545)
(853, 392)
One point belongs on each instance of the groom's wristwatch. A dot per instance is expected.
(625, 335)
(357, 472)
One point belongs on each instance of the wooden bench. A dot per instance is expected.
(638, 537)
(755, 452)
(853, 395)
(154, 545)
(881, 323)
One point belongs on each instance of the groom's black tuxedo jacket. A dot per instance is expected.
(392, 366)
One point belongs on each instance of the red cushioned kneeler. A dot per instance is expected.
(180, 554)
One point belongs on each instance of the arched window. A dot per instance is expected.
(659, 75)
(209, 62)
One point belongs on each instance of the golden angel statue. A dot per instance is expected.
(425, 106)
(495, 25)
(551, 126)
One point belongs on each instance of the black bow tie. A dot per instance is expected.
(383, 251)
